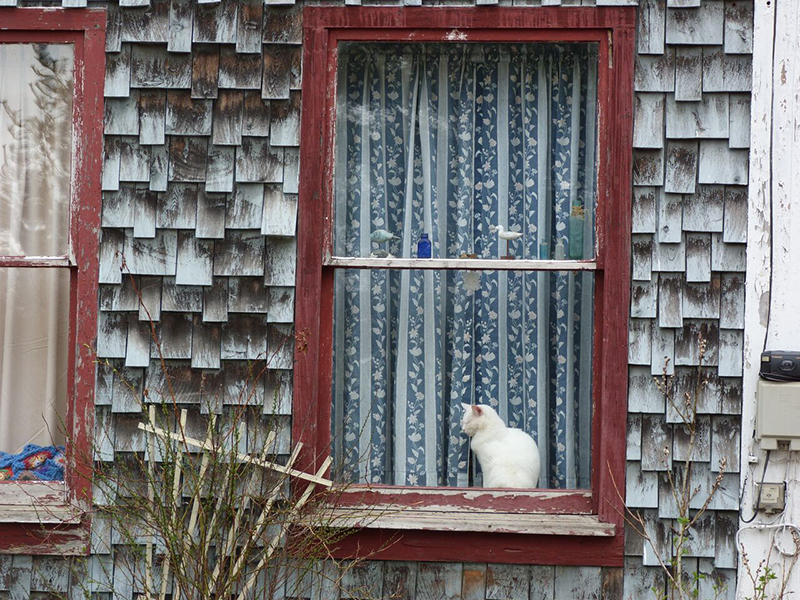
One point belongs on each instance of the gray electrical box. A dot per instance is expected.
(778, 414)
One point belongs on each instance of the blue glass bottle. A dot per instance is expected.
(423, 246)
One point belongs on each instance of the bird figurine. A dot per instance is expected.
(505, 235)
(381, 236)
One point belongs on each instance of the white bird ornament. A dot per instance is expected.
(505, 235)
(381, 236)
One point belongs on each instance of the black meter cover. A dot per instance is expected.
(778, 365)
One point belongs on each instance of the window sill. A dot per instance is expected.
(469, 520)
(37, 518)
(39, 502)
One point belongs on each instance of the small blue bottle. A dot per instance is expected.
(423, 246)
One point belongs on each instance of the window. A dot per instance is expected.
(447, 122)
(51, 73)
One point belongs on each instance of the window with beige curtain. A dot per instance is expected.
(36, 90)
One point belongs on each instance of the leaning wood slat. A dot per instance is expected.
(291, 171)
(111, 164)
(258, 162)
(111, 246)
(174, 336)
(113, 28)
(687, 351)
(731, 344)
(317, 479)
(725, 442)
(641, 487)
(176, 497)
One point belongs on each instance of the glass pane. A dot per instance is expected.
(35, 148)
(453, 140)
(411, 346)
(34, 331)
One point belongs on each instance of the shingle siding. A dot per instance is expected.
(200, 186)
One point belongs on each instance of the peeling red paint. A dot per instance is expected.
(85, 29)
(324, 28)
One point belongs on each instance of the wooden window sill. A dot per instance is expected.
(37, 502)
(455, 519)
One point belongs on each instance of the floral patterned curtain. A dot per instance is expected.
(448, 140)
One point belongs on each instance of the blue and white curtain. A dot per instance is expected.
(449, 139)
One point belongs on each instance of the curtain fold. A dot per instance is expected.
(36, 83)
(448, 140)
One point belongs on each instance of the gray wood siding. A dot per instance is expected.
(200, 195)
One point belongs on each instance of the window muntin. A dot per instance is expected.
(449, 139)
(36, 127)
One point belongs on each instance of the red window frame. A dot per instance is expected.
(613, 30)
(63, 510)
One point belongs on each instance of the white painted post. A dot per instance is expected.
(773, 285)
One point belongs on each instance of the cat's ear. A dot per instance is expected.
(477, 410)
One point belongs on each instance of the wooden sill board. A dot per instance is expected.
(36, 502)
(470, 264)
(389, 517)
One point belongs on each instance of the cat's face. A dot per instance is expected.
(470, 421)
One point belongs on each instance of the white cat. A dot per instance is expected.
(509, 457)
